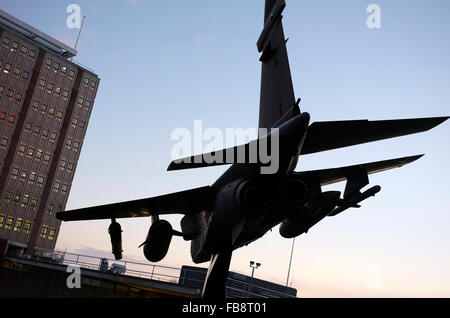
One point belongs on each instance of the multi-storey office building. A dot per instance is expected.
(45, 104)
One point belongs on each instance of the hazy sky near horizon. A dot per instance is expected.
(164, 64)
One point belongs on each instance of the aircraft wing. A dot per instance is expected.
(330, 135)
(183, 202)
(333, 175)
(324, 136)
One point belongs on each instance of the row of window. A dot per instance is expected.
(37, 154)
(45, 231)
(17, 71)
(22, 200)
(57, 67)
(4, 143)
(71, 144)
(45, 133)
(66, 165)
(92, 83)
(44, 109)
(52, 88)
(10, 94)
(8, 223)
(19, 225)
(84, 102)
(14, 46)
(59, 187)
(51, 208)
(27, 176)
(4, 115)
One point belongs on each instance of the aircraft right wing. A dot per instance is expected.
(330, 135)
(333, 175)
(182, 202)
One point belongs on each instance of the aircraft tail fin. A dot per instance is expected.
(277, 99)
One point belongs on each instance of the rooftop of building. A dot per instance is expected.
(40, 38)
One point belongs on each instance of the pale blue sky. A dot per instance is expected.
(164, 64)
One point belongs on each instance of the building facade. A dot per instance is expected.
(45, 104)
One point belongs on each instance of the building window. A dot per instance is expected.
(32, 177)
(70, 167)
(3, 114)
(71, 74)
(2, 219)
(42, 83)
(4, 143)
(85, 81)
(59, 115)
(25, 201)
(82, 124)
(30, 152)
(68, 143)
(46, 158)
(56, 186)
(14, 173)
(45, 133)
(64, 188)
(2, 89)
(43, 108)
(51, 234)
(56, 67)
(80, 101)
(23, 175)
(6, 42)
(34, 202)
(28, 127)
(65, 94)
(16, 198)
(7, 69)
(93, 84)
(64, 70)
(21, 150)
(48, 62)
(32, 53)
(40, 181)
(51, 111)
(16, 72)
(76, 146)
(27, 227)
(24, 50)
(74, 122)
(37, 130)
(15, 46)
(50, 209)
(44, 231)
(52, 136)
(9, 222)
(50, 87)
(38, 154)
(7, 197)
(57, 90)
(11, 119)
(35, 105)
(10, 94)
(25, 75)
(62, 165)
(18, 225)
(18, 97)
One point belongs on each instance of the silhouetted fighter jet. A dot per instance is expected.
(243, 204)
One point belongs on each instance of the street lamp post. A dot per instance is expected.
(253, 265)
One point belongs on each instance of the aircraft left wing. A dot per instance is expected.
(333, 175)
(183, 202)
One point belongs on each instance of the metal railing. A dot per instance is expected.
(235, 288)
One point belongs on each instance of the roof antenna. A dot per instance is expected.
(78, 37)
